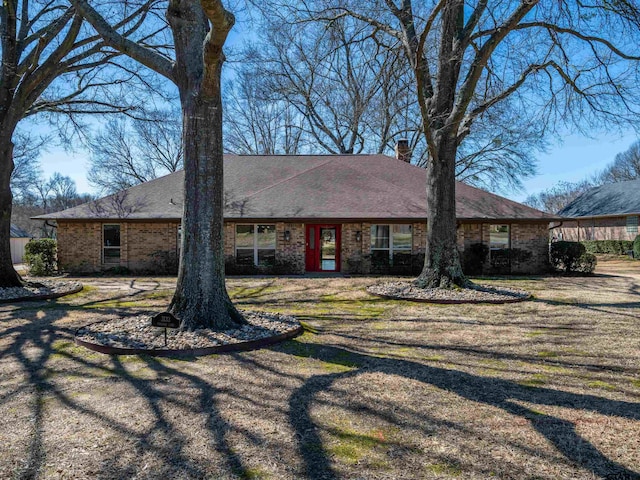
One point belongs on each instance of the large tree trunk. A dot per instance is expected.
(442, 267)
(8, 276)
(201, 299)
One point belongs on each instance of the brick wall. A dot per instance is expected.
(79, 247)
(80, 244)
(611, 228)
(141, 240)
(533, 238)
(352, 249)
(291, 251)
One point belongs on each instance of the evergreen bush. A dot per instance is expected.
(40, 256)
(473, 258)
(613, 247)
(571, 257)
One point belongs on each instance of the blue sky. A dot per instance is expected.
(573, 159)
(576, 158)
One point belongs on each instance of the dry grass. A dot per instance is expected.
(374, 389)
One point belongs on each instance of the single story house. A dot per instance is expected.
(608, 212)
(303, 213)
(19, 239)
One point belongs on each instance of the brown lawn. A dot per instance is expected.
(548, 388)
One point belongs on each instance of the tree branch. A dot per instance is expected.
(145, 56)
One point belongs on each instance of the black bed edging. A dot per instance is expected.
(191, 352)
(445, 301)
(35, 298)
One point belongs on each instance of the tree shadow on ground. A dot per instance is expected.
(34, 339)
(35, 345)
(499, 393)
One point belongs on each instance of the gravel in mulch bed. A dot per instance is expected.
(474, 294)
(135, 334)
(39, 289)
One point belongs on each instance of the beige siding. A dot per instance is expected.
(610, 228)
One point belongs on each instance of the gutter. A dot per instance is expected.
(556, 226)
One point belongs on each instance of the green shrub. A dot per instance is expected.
(286, 265)
(500, 261)
(40, 256)
(164, 262)
(281, 265)
(585, 264)
(118, 270)
(232, 267)
(613, 247)
(519, 255)
(473, 258)
(403, 263)
(571, 257)
(636, 248)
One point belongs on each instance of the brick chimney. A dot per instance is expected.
(403, 152)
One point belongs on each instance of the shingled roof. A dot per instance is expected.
(17, 232)
(306, 187)
(622, 198)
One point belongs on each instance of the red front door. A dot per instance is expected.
(323, 248)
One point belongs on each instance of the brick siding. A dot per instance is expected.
(79, 247)
(80, 244)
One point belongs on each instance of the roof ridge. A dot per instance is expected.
(284, 180)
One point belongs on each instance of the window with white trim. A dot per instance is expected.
(255, 244)
(111, 244)
(499, 237)
(632, 224)
(391, 243)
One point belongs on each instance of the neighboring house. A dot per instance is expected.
(312, 213)
(19, 239)
(608, 212)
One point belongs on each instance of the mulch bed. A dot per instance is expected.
(39, 289)
(472, 294)
(135, 335)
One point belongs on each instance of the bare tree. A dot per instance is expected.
(347, 88)
(56, 193)
(26, 160)
(354, 90)
(199, 31)
(54, 64)
(257, 123)
(554, 199)
(132, 151)
(626, 166)
(563, 62)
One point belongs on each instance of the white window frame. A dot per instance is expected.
(255, 239)
(105, 247)
(632, 224)
(391, 248)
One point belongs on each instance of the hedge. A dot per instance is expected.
(636, 248)
(615, 247)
